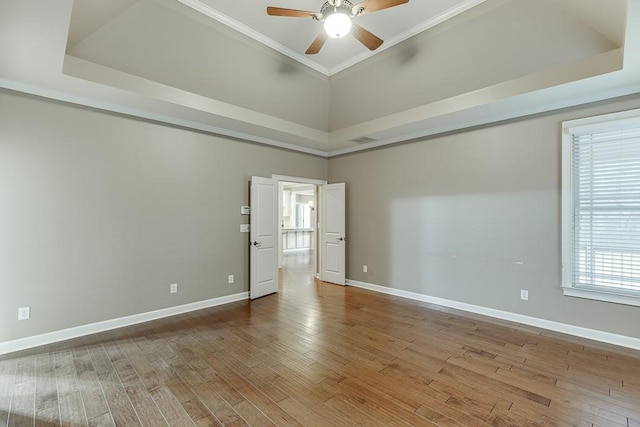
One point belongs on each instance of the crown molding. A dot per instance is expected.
(209, 11)
(429, 23)
(250, 32)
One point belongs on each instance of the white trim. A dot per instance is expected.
(583, 126)
(298, 180)
(162, 118)
(602, 295)
(209, 11)
(592, 334)
(566, 214)
(92, 328)
(587, 124)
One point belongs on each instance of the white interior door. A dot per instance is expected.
(263, 274)
(332, 232)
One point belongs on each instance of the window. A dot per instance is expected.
(601, 208)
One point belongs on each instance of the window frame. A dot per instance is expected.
(570, 128)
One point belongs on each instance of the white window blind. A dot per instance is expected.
(604, 245)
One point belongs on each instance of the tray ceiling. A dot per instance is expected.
(292, 36)
(473, 62)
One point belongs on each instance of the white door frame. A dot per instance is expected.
(299, 180)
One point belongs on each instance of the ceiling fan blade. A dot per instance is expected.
(370, 40)
(370, 6)
(317, 43)
(280, 11)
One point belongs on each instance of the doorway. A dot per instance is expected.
(298, 219)
(318, 248)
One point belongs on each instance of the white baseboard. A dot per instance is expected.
(592, 334)
(65, 334)
(92, 328)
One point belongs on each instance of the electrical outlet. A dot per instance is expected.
(365, 268)
(173, 288)
(24, 313)
(231, 278)
(524, 295)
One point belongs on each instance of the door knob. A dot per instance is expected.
(256, 243)
(342, 239)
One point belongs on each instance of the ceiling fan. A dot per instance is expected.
(337, 16)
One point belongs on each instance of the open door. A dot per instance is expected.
(332, 233)
(263, 271)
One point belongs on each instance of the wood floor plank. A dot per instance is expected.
(267, 406)
(105, 420)
(95, 404)
(311, 412)
(353, 414)
(385, 408)
(484, 382)
(23, 404)
(46, 404)
(144, 406)
(72, 410)
(251, 415)
(7, 378)
(139, 362)
(192, 405)
(22, 410)
(306, 398)
(120, 406)
(170, 407)
(221, 409)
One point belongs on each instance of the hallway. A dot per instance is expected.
(298, 267)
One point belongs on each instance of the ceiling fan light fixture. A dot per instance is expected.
(337, 24)
(337, 15)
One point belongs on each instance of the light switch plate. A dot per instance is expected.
(244, 228)
(245, 210)
(24, 313)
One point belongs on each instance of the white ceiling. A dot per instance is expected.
(292, 36)
(88, 16)
(161, 60)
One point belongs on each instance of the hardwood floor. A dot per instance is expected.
(321, 354)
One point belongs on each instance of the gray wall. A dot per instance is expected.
(99, 213)
(453, 216)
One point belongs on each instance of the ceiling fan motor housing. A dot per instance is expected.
(337, 16)
(330, 7)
